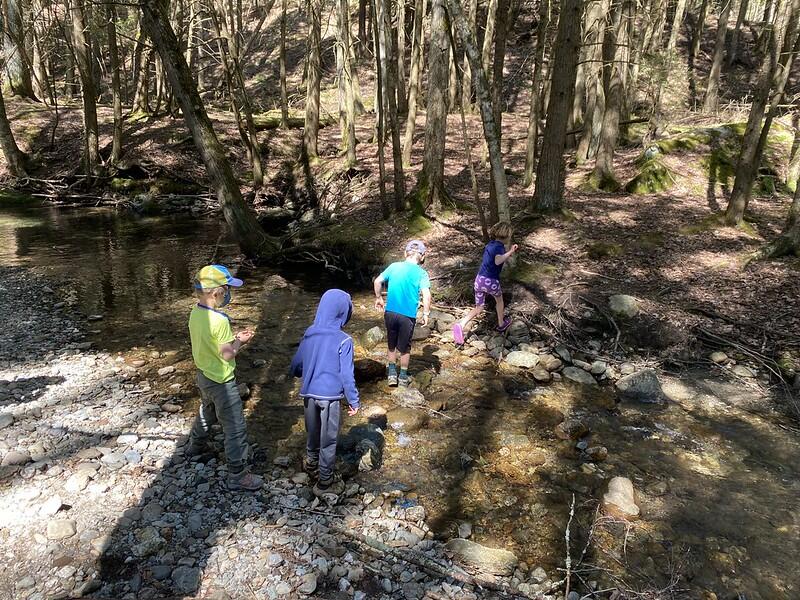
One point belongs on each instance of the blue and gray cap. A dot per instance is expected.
(416, 246)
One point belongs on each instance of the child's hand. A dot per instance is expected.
(245, 336)
(379, 303)
(352, 411)
(514, 248)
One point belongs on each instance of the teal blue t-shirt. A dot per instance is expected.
(405, 280)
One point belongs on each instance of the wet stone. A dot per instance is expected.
(571, 429)
(492, 560)
(641, 386)
(578, 375)
(619, 500)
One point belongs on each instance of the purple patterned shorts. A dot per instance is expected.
(486, 285)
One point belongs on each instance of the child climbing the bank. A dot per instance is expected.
(405, 280)
(325, 362)
(214, 349)
(487, 280)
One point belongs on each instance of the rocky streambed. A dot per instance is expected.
(671, 485)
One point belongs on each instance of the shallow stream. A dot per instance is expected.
(717, 485)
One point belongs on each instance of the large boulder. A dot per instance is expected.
(407, 419)
(421, 332)
(442, 321)
(641, 386)
(373, 337)
(623, 306)
(491, 560)
(620, 501)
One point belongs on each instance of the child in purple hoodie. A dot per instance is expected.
(325, 362)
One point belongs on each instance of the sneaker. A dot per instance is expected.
(333, 485)
(504, 325)
(311, 467)
(244, 480)
(391, 377)
(458, 333)
(404, 380)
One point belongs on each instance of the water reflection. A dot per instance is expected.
(115, 262)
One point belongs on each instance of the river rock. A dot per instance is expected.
(522, 359)
(619, 501)
(127, 439)
(373, 337)
(743, 371)
(597, 453)
(492, 560)
(598, 367)
(719, 358)
(408, 397)
(571, 429)
(6, 419)
(308, 584)
(550, 362)
(641, 386)
(168, 370)
(186, 579)
(623, 306)
(59, 529)
(406, 419)
(578, 375)
(421, 332)
(443, 321)
(465, 530)
(14, 458)
(542, 375)
(51, 506)
(114, 460)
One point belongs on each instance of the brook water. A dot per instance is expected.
(717, 484)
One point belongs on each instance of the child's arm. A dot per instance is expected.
(347, 373)
(427, 299)
(228, 351)
(377, 287)
(501, 258)
(296, 368)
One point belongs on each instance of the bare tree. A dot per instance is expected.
(113, 56)
(17, 68)
(417, 47)
(83, 60)
(15, 159)
(595, 102)
(347, 118)
(733, 48)
(712, 88)
(313, 77)
(394, 125)
(550, 172)
(238, 215)
(531, 144)
(282, 68)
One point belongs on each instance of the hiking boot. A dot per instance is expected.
(504, 325)
(311, 467)
(245, 481)
(333, 485)
(404, 380)
(391, 377)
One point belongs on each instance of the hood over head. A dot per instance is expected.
(334, 311)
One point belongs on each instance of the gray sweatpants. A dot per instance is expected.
(221, 402)
(322, 426)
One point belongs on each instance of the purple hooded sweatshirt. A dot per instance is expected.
(325, 357)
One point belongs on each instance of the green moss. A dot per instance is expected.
(598, 250)
(708, 223)
(648, 241)
(603, 183)
(126, 184)
(163, 186)
(531, 273)
(653, 177)
(418, 224)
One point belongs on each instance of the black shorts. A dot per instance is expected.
(399, 330)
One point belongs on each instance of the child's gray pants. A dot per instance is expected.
(322, 425)
(221, 402)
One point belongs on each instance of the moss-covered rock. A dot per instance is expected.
(599, 250)
(531, 273)
(653, 177)
(417, 224)
(600, 183)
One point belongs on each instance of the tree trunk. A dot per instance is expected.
(432, 176)
(697, 32)
(793, 171)
(385, 40)
(733, 48)
(141, 95)
(550, 172)
(394, 127)
(677, 21)
(80, 46)
(417, 47)
(347, 117)
(363, 40)
(490, 129)
(711, 101)
(774, 77)
(488, 38)
(603, 176)
(531, 143)
(402, 98)
(595, 102)
(17, 69)
(238, 215)
(498, 61)
(466, 78)
(282, 61)
(41, 79)
(113, 56)
(313, 76)
(386, 207)
(15, 159)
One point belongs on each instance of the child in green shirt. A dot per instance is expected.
(214, 348)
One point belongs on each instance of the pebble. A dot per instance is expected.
(60, 529)
(6, 419)
(14, 458)
(166, 370)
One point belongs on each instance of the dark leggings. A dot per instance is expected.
(399, 331)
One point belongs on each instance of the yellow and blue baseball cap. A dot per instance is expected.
(214, 276)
